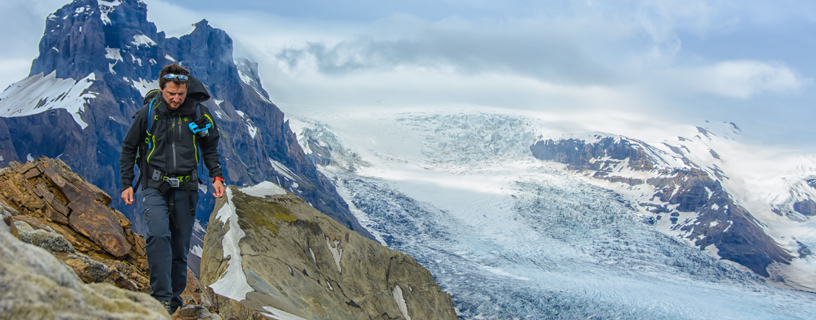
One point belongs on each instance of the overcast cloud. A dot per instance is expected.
(744, 61)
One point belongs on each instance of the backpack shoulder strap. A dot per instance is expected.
(150, 96)
(150, 119)
(198, 110)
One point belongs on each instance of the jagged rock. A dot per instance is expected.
(195, 293)
(578, 155)
(198, 303)
(59, 211)
(230, 309)
(278, 255)
(36, 285)
(806, 207)
(195, 312)
(249, 73)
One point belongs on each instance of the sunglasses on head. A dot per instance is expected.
(173, 76)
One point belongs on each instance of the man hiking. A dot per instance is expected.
(172, 133)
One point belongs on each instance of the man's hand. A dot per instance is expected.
(219, 189)
(127, 195)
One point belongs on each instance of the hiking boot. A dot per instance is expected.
(166, 305)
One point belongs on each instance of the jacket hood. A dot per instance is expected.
(196, 90)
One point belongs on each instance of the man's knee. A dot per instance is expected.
(156, 215)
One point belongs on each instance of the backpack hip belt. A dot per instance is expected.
(174, 180)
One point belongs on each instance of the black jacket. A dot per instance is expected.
(175, 147)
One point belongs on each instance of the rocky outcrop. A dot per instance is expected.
(806, 207)
(579, 155)
(96, 60)
(278, 255)
(249, 74)
(36, 285)
(58, 210)
(716, 218)
(719, 221)
(91, 249)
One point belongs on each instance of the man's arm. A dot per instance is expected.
(127, 158)
(209, 151)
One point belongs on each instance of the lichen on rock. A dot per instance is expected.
(36, 285)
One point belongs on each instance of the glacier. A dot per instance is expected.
(513, 237)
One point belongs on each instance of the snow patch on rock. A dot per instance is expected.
(248, 81)
(400, 300)
(263, 190)
(248, 122)
(113, 54)
(144, 86)
(106, 7)
(233, 284)
(197, 250)
(279, 314)
(142, 40)
(37, 94)
(336, 252)
(282, 169)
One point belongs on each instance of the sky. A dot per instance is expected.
(748, 62)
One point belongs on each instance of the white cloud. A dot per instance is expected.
(22, 22)
(741, 79)
(174, 20)
(13, 70)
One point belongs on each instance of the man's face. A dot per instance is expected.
(174, 94)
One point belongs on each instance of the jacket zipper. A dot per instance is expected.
(173, 146)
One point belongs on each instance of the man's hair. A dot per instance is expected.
(174, 69)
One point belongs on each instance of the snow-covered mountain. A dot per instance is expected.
(98, 58)
(672, 222)
(705, 188)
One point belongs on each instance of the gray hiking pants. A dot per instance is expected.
(168, 241)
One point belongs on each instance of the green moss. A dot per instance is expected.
(256, 213)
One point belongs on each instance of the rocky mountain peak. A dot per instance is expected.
(249, 74)
(83, 35)
(207, 52)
